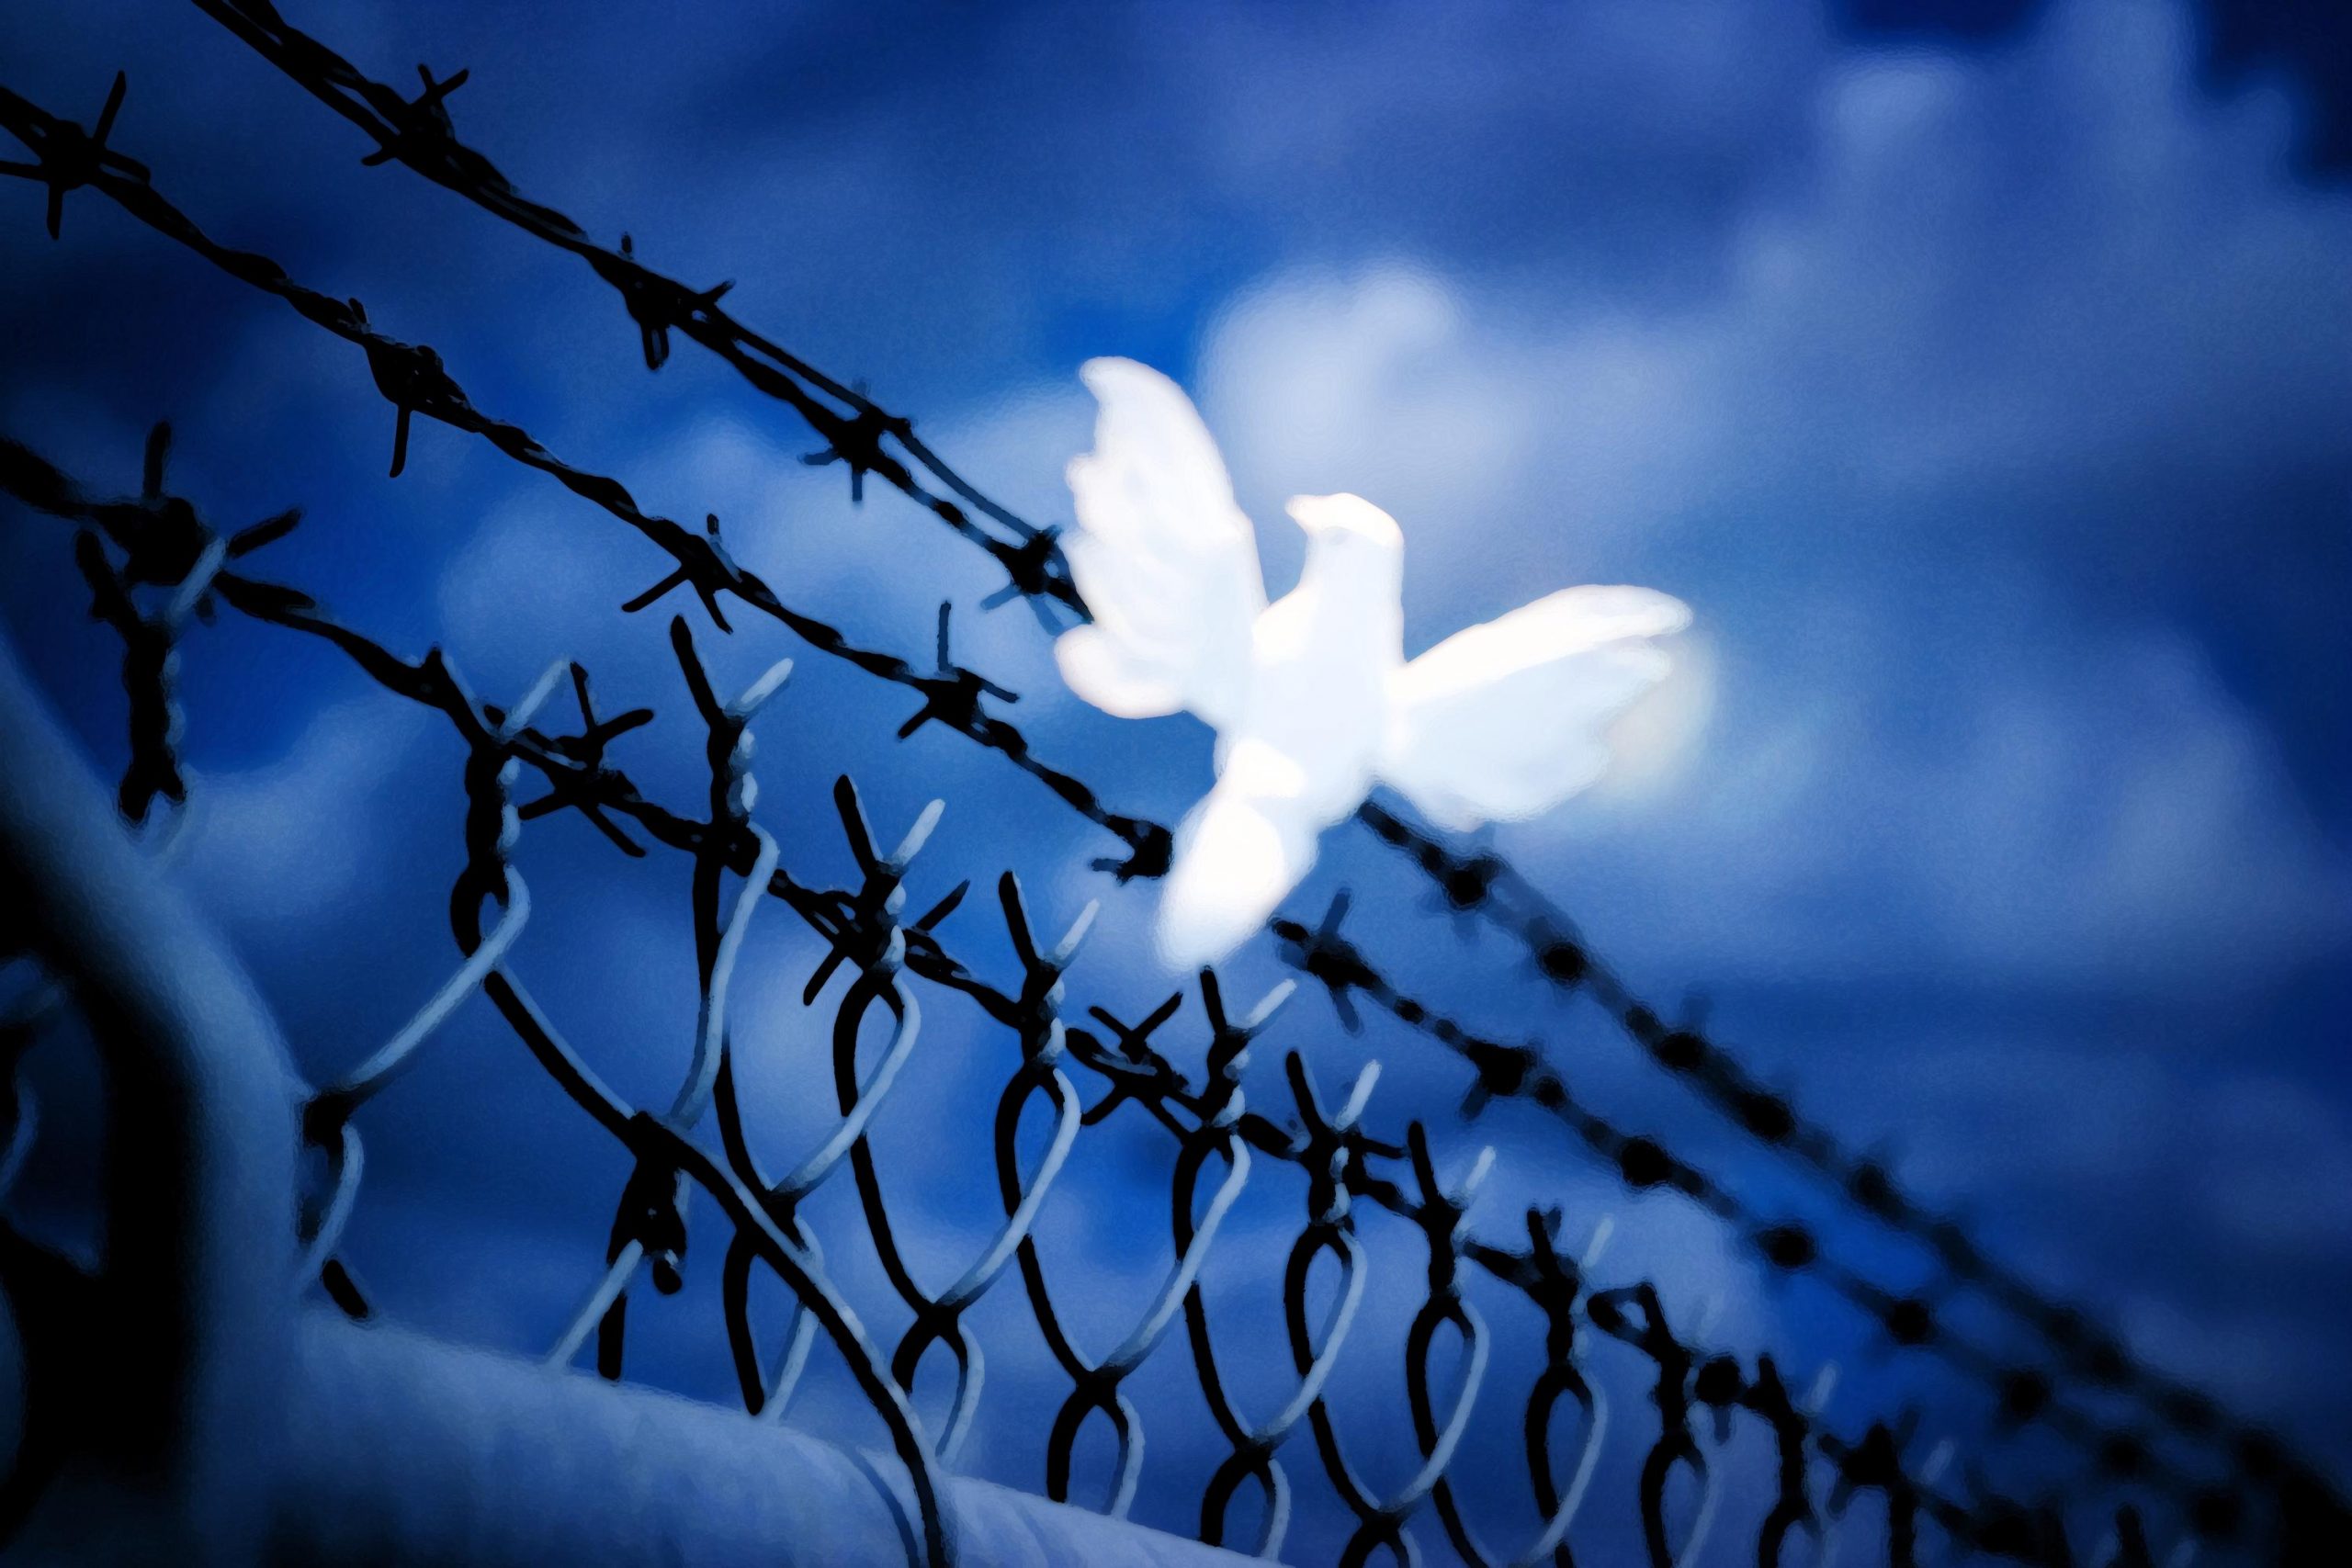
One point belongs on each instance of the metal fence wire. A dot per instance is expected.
(2174, 1474)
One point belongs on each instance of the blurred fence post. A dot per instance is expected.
(182, 1338)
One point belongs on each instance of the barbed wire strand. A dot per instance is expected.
(417, 132)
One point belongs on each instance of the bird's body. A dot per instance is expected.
(1311, 696)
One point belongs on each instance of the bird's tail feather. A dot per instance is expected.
(1238, 854)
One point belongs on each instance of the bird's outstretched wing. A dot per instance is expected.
(1163, 558)
(1504, 720)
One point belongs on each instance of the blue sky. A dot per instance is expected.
(1982, 385)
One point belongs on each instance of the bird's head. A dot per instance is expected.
(1347, 522)
(1352, 549)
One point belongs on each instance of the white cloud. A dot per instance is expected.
(2093, 810)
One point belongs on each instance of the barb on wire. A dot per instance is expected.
(707, 585)
(577, 790)
(653, 302)
(422, 122)
(66, 157)
(157, 542)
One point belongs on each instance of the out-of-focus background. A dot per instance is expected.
(1980, 373)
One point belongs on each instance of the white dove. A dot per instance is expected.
(1311, 697)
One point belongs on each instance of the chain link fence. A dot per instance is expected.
(2172, 1474)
